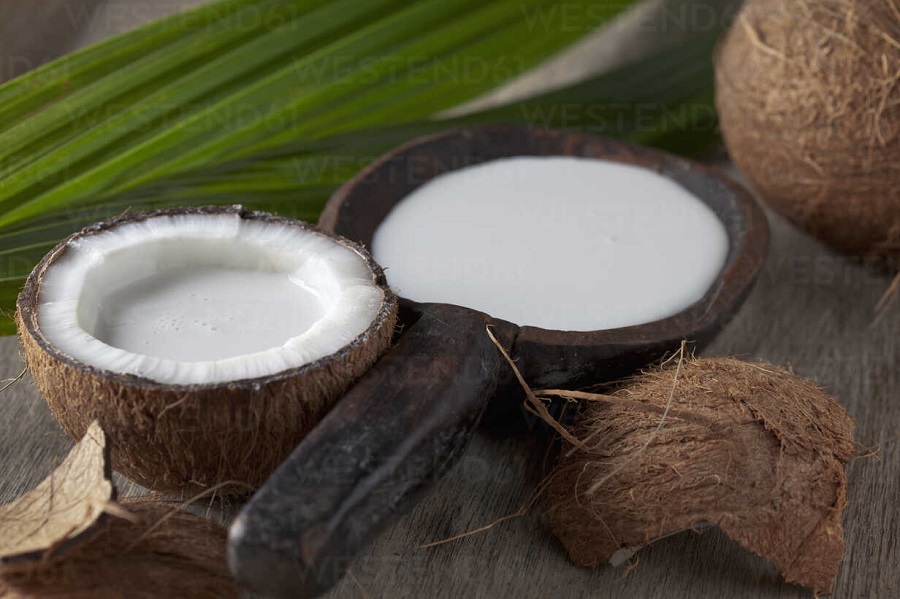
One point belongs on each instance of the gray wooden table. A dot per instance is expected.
(812, 309)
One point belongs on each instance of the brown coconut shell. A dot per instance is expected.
(163, 554)
(808, 94)
(182, 438)
(750, 448)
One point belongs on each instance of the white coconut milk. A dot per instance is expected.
(560, 243)
(207, 313)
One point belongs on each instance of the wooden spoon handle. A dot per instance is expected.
(395, 432)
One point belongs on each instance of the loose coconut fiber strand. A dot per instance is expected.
(750, 448)
(163, 554)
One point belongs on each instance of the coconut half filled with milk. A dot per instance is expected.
(206, 341)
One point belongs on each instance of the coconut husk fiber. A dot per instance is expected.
(159, 553)
(808, 94)
(183, 438)
(750, 448)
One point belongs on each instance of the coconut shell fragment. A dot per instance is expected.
(66, 538)
(160, 555)
(750, 448)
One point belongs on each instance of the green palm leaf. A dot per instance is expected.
(273, 103)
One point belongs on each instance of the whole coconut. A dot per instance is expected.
(808, 93)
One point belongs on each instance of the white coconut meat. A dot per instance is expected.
(205, 298)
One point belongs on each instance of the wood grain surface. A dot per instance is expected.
(812, 309)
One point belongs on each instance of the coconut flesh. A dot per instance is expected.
(207, 342)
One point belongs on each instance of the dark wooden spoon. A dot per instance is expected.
(403, 424)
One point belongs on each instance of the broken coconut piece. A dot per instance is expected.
(161, 553)
(63, 506)
(750, 448)
(53, 542)
(207, 341)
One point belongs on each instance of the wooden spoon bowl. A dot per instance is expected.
(406, 421)
(548, 358)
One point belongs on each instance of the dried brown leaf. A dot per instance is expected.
(63, 506)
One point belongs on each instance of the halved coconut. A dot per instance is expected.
(206, 341)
